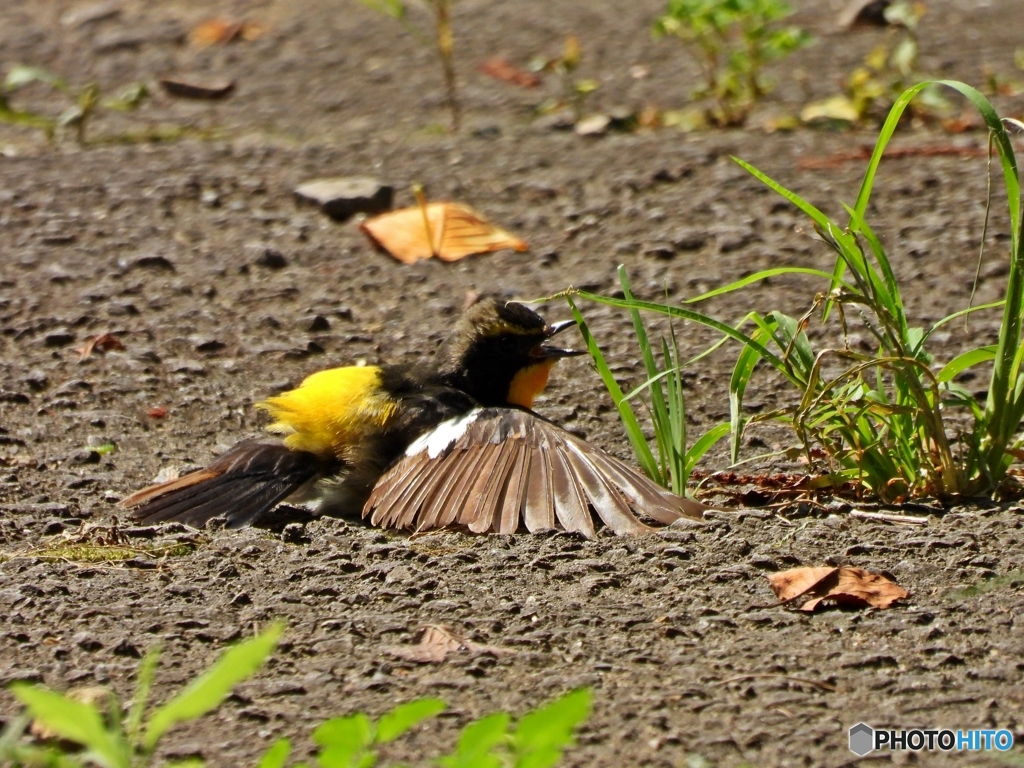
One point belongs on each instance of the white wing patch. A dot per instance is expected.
(437, 440)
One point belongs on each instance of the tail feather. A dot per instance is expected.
(241, 485)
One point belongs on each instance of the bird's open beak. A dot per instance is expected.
(545, 352)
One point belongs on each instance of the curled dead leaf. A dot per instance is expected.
(450, 231)
(852, 587)
(437, 642)
(104, 342)
(502, 69)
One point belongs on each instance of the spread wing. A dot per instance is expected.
(240, 485)
(494, 469)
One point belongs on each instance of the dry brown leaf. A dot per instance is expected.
(456, 231)
(214, 32)
(104, 342)
(436, 643)
(219, 31)
(501, 69)
(789, 585)
(853, 587)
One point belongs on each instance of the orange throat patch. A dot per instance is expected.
(528, 383)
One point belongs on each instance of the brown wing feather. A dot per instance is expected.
(159, 489)
(507, 467)
(605, 499)
(240, 485)
(538, 505)
(570, 503)
(487, 507)
(515, 490)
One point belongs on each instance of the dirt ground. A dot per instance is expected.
(678, 633)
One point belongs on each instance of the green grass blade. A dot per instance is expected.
(212, 687)
(636, 436)
(685, 314)
(659, 411)
(704, 444)
(763, 275)
(541, 735)
(74, 721)
(276, 755)
(964, 361)
(890, 293)
(477, 742)
(143, 685)
(746, 361)
(405, 716)
(675, 424)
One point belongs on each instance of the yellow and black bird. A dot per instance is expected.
(417, 448)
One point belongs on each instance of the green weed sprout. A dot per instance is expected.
(86, 101)
(882, 418)
(731, 40)
(113, 738)
(665, 404)
(872, 88)
(444, 40)
(575, 91)
(537, 741)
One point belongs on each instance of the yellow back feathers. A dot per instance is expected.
(331, 411)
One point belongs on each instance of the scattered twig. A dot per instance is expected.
(755, 675)
(888, 518)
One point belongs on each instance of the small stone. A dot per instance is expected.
(317, 324)
(53, 527)
(241, 599)
(153, 261)
(343, 197)
(660, 250)
(197, 88)
(36, 380)
(594, 125)
(271, 258)
(86, 456)
(182, 365)
(127, 648)
(59, 338)
(89, 14)
(86, 642)
(210, 198)
(294, 533)
(562, 120)
(121, 309)
(209, 345)
(689, 240)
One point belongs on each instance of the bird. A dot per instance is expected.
(452, 442)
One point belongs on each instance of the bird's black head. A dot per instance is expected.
(498, 354)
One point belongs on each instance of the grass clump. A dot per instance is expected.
(85, 102)
(732, 41)
(90, 727)
(661, 396)
(881, 418)
(97, 730)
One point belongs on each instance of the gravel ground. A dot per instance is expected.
(165, 246)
